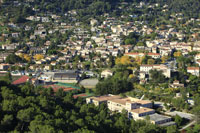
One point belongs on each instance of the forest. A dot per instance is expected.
(95, 8)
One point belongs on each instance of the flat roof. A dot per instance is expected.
(157, 117)
(141, 110)
(105, 98)
(120, 101)
(139, 101)
(168, 123)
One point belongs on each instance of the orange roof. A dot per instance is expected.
(193, 68)
(105, 98)
(120, 101)
(153, 54)
(132, 53)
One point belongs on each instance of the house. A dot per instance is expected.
(190, 101)
(106, 73)
(196, 48)
(154, 55)
(4, 67)
(10, 46)
(176, 84)
(46, 76)
(197, 57)
(54, 63)
(198, 62)
(45, 19)
(193, 70)
(134, 55)
(93, 22)
(160, 67)
(47, 67)
(15, 35)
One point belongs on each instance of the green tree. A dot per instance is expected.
(178, 120)
(172, 129)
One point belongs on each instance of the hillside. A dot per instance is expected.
(29, 109)
(93, 8)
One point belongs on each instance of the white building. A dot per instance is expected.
(193, 70)
(166, 71)
(106, 73)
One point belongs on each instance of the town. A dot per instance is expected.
(148, 69)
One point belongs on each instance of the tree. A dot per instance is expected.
(178, 120)
(26, 115)
(164, 59)
(172, 129)
(12, 59)
(7, 119)
(150, 61)
(197, 113)
(177, 54)
(8, 77)
(124, 60)
(26, 57)
(157, 76)
(38, 57)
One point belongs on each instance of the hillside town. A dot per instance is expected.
(59, 51)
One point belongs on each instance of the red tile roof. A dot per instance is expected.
(193, 68)
(80, 95)
(21, 80)
(153, 54)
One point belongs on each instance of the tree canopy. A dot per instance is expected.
(36, 109)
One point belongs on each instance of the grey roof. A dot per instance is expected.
(168, 123)
(157, 117)
(68, 74)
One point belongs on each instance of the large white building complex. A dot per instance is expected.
(136, 108)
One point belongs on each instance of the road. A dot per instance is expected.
(188, 125)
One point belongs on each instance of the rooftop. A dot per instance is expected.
(193, 68)
(157, 117)
(120, 101)
(141, 110)
(105, 98)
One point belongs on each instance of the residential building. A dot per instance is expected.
(160, 67)
(4, 67)
(193, 70)
(106, 73)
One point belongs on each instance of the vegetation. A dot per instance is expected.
(12, 59)
(114, 85)
(30, 109)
